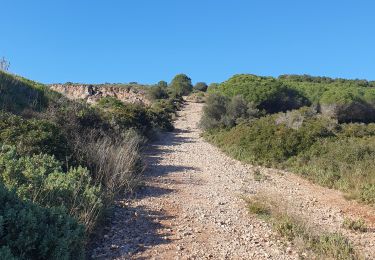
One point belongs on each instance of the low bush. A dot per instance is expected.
(267, 141)
(28, 231)
(345, 164)
(221, 111)
(132, 116)
(214, 111)
(32, 136)
(238, 111)
(40, 179)
(158, 92)
(201, 86)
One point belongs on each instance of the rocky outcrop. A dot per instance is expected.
(93, 93)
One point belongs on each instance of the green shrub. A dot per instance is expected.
(32, 136)
(267, 141)
(239, 110)
(335, 156)
(28, 231)
(345, 164)
(160, 119)
(181, 85)
(132, 116)
(125, 116)
(264, 92)
(6, 253)
(158, 92)
(201, 86)
(221, 111)
(169, 106)
(356, 130)
(214, 111)
(40, 179)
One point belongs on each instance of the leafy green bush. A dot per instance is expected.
(32, 136)
(239, 110)
(40, 179)
(28, 231)
(201, 86)
(160, 119)
(264, 92)
(158, 92)
(221, 111)
(181, 85)
(214, 111)
(341, 163)
(127, 116)
(268, 141)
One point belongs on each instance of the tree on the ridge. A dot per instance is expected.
(162, 84)
(181, 85)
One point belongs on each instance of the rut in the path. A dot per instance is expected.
(191, 206)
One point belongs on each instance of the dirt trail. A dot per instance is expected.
(191, 206)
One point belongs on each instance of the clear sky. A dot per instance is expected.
(146, 41)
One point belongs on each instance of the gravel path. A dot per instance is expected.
(191, 206)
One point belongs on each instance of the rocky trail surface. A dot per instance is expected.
(192, 206)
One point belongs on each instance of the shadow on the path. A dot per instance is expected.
(151, 191)
(133, 230)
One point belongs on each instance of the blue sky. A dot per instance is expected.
(97, 41)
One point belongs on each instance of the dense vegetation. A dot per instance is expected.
(346, 100)
(318, 127)
(62, 163)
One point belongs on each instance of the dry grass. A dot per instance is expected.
(311, 242)
(117, 164)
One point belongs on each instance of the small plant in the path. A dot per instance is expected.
(258, 176)
(355, 224)
(259, 208)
